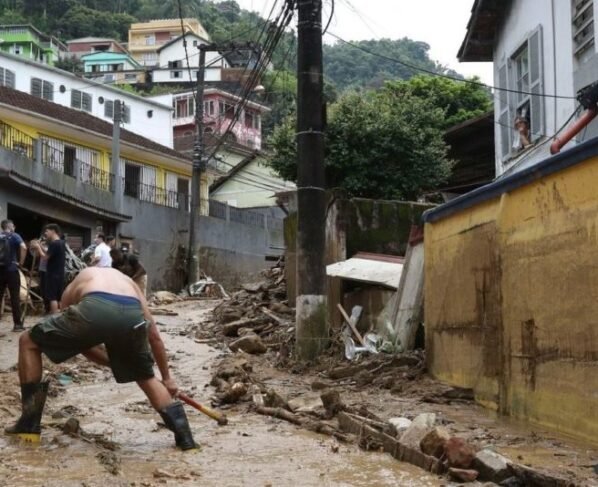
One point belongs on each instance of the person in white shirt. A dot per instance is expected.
(101, 256)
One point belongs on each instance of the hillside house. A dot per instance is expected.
(544, 52)
(88, 45)
(142, 116)
(112, 67)
(26, 41)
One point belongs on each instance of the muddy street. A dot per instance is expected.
(124, 445)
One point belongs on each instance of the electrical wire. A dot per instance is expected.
(446, 76)
(329, 18)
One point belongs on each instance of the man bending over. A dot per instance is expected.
(100, 306)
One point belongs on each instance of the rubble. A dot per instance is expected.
(434, 443)
(250, 343)
(459, 453)
(491, 465)
(463, 475)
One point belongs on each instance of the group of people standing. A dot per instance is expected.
(51, 250)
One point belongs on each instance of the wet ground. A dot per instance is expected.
(125, 446)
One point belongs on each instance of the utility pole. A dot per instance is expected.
(312, 327)
(198, 168)
(199, 157)
(115, 159)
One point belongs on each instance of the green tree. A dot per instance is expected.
(460, 101)
(381, 144)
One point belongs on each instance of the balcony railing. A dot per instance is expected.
(155, 194)
(14, 140)
(99, 178)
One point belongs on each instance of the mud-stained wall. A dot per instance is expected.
(511, 305)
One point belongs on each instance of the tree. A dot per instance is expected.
(460, 101)
(381, 144)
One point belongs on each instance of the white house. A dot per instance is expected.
(172, 61)
(142, 116)
(544, 52)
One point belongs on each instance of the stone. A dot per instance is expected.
(307, 403)
(251, 344)
(491, 465)
(413, 436)
(255, 287)
(164, 297)
(434, 443)
(399, 425)
(459, 453)
(463, 475)
(425, 419)
(71, 427)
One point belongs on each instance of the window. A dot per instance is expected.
(226, 109)
(7, 78)
(42, 89)
(176, 74)
(150, 40)
(523, 74)
(150, 59)
(184, 107)
(208, 107)
(132, 180)
(80, 100)
(175, 64)
(126, 114)
(109, 109)
(583, 26)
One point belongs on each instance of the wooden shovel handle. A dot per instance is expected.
(221, 418)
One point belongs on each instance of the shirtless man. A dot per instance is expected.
(100, 306)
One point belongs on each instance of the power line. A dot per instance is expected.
(447, 76)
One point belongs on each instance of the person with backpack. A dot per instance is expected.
(11, 247)
(55, 257)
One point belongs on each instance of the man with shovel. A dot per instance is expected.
(100, 306)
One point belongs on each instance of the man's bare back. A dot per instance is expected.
(99, 279)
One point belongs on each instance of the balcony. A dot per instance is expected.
(155, 195)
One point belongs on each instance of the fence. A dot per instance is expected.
(96, 177)
(15, 140)
(223, 211)
(155, 194)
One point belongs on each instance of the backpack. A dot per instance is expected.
(5, 253)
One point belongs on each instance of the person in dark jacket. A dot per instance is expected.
(13, 252)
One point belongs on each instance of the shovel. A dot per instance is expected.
(219, 417)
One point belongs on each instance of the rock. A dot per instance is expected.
(255, 287)
(332, 402)
(399, 425)
(249, 344)
(434, 442)
(491, 466)
(71, 427)
(463, 475)
(307, 403)
(164, 297)
(459, 453)
(274, 400)
(281, 308)
(232, 329)
(413, 436)
(425, 419)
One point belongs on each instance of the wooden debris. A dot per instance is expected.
(280, 414)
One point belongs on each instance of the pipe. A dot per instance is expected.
(572, 131)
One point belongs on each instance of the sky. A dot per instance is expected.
(440, 23)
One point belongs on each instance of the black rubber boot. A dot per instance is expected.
(33, 399)
(175, 419)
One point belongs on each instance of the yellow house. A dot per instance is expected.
(511, 292)
(146, 38)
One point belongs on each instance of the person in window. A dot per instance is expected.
(11, 244)
(522, 127)
(129, 265)
(101, 256)
(55, 257)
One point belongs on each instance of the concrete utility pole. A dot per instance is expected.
(115, 160)
(198, 168)
(312, 326)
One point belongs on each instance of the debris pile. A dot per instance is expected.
(257, 317)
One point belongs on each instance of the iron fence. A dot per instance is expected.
(15, 140)
(95, 176)
(155, 194)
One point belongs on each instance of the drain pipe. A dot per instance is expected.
(572, 131)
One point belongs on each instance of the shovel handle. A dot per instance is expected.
(221, 418)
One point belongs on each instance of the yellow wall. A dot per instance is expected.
(511, 305)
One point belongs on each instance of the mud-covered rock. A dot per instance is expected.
(459, 453)
(434, 443)
(463, 475)
(250, 343)
(491, 466)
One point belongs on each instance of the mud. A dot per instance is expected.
(124, 443)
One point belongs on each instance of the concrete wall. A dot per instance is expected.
(512, 298)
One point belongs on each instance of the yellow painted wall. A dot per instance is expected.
(511, 305)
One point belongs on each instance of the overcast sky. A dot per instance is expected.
(440, 23)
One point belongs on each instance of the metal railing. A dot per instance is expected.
(14, 140)
(95, 176)
(155, 194)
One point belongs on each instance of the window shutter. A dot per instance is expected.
(48, 90)
(109, 109)
(504, 115)
(126, 114)
(86, 102)
(9, 78)
(76, 99)
(36, 87)
(536, 83)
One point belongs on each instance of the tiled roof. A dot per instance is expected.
(24, 101)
